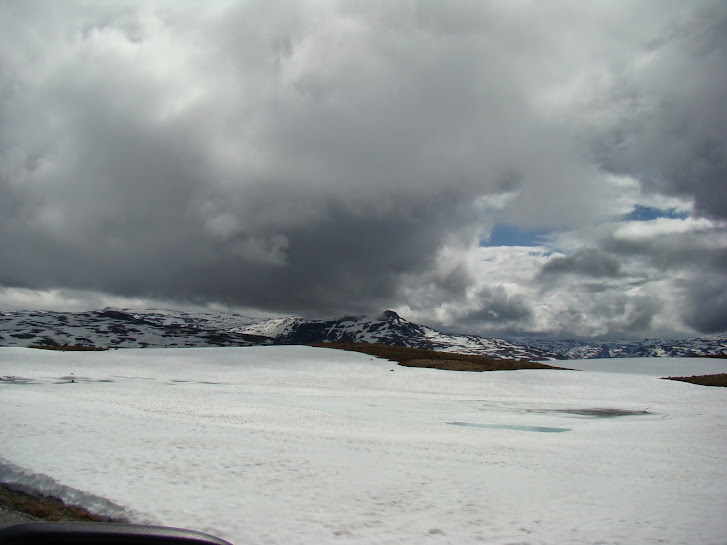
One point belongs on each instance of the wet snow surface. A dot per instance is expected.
(293, 445)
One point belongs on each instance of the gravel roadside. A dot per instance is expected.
(10, 516)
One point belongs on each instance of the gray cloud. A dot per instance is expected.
(325, 158)
(584, 262)
(667, 130)
(497, 307)
(705, 300)
(641, 268)
(691, 250)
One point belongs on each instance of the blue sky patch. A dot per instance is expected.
(509, 235)
(646, 213)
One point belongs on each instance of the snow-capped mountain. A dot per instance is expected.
(390, 328)
(123, 328)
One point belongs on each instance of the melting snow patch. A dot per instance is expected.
(540, 429)
(604, 413)
(17, 380)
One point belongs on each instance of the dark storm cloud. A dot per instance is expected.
(297, 165)
(705, 301)
(335, 157)
(584, 262)
(669, 131)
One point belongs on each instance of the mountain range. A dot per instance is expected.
(124, 328)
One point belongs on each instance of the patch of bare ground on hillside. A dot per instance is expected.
(719, 379)
(46, 508)
(447, 361)
(67, 347)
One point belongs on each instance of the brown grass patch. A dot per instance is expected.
(704, 380)
(447, 361)
(45, 507)
(68, 347)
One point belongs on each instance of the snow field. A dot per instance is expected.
(296, 444)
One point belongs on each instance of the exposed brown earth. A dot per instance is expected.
(418, 357)
(67, 347)
(719, 379)
(45, 508)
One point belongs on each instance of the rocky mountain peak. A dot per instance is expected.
(389, 316)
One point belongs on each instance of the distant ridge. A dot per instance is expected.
(120, 328)
(124, 328)
(645, 348)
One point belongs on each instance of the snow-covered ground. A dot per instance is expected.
(293, 445)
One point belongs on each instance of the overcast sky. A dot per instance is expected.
(501, 168)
